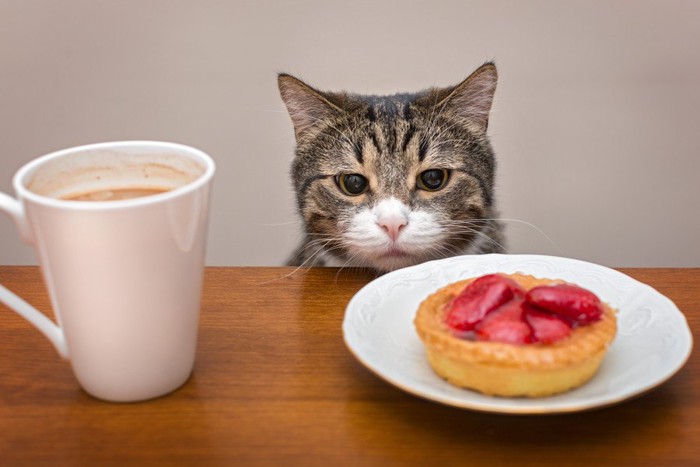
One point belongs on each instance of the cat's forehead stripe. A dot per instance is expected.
(358, 153)
(422, 149)
(407, 115)
(407, 137)
(375, 140)
(371, 114)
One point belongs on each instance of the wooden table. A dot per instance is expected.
(275, 385)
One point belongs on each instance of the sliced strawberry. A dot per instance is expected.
(546, 327)
(579, 305)
(506, 324)
(479, 298)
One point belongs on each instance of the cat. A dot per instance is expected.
(385, 182)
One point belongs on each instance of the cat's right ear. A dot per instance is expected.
(306, 106)
(470, 100)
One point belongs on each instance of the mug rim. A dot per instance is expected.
(21, 177)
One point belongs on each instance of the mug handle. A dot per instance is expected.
(55, 334)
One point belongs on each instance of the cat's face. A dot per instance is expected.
(387, 182)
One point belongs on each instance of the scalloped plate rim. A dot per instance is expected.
(500, 404)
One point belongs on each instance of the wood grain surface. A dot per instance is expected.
(275, 385)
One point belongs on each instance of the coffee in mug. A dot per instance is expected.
(115, 194)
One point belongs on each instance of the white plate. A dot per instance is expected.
(653, 340)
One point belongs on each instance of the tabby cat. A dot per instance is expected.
(390, 181)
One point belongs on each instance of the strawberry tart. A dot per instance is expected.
(515, 335)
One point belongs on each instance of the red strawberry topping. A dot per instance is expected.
(569, 301)
(506, 324)
(495, 308)
(479, 298)
(546, 327)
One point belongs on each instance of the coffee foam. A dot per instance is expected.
(99, 170)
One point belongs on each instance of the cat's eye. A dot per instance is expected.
(352, 184)
(433, 179)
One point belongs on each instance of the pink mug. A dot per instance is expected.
(124, 275)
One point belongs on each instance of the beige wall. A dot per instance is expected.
(595, 122)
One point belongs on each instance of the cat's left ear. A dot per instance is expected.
(307, 107)
(472, 98)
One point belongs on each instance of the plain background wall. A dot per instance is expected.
(595, 121)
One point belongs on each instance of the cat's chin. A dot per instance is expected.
(392, 260)
(386, 262)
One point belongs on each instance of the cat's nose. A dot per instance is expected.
(393, 225)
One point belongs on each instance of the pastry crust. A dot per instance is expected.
(500, 369)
